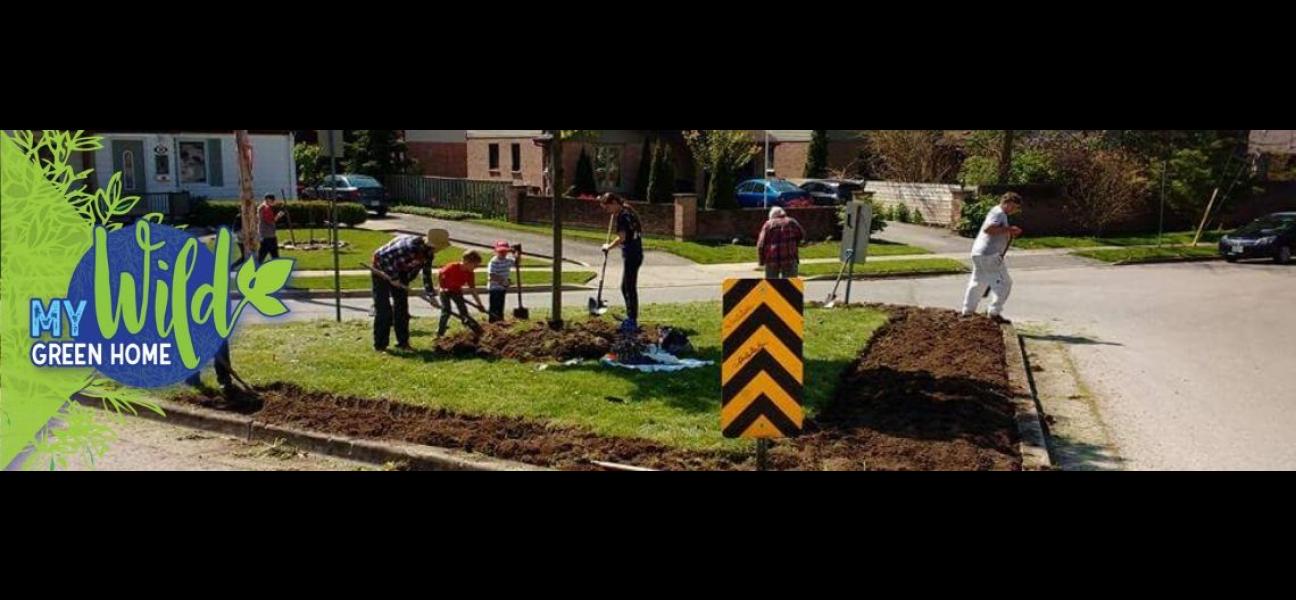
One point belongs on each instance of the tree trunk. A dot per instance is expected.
(248, 210)
(1006, 158)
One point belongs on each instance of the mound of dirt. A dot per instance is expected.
(590, 339)
(930, 392)
(511, 438)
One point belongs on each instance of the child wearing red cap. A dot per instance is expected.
(497, 284)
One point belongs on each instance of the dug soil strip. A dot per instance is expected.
(930, 392)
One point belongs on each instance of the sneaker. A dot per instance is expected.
(405, 347)
(1000, 320)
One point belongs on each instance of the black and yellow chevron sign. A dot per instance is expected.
(763, 370)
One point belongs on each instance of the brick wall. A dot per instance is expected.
(939, 203)
(440, 159)
(681, 220)
(820, 223)
(658, 219)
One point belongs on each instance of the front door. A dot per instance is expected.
(128, 159)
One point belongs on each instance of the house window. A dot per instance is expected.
(128, 171)
(193, 162)
(607, 168)
(494, 157)
(517, 158)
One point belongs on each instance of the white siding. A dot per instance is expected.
(273, 169)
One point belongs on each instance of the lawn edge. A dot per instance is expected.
(416, 457)
(1033, 444)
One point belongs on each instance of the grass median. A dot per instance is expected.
(888, 268)
(1151, 254)
(681, 409)
(362, 282)
(709, 253)
(1178, 238)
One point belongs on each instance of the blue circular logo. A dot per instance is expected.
(155, 304)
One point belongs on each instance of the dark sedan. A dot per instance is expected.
(831, 192)
(1273, 237)
(349, 187)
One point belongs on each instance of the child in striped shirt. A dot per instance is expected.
(498, 272)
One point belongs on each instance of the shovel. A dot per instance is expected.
(831, 302)
(597, 306)
(520, 312)
(465, 319)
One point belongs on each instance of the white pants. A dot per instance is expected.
(991, 272)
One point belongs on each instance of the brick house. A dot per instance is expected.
(522, 156)
(439, 152)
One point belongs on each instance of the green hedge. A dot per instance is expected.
(436, 213)
(211, 213)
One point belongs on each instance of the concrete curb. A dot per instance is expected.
(414, 456)
(1033, 445)
(1166, 261)
(328, 294)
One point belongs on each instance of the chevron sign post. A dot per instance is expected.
(763, 371)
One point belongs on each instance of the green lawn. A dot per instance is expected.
(1151, 254)
(360, 246)
(1146, 239)
(710, 253)
(362, 282)
(889, 268)
(679, 408)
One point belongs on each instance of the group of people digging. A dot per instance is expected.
(778, 249)
(397, 263)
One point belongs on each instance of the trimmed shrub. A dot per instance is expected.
(213, 213)
(974, 214)
(436, 213)
(902, 213)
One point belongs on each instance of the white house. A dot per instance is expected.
(202, 162)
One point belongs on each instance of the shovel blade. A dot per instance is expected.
(597, 308)
(522, 314)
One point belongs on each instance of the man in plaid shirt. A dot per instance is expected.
(400, 261)
(779, 245)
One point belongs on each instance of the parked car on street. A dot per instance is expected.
(350, 187)
(758, 193)
(831, 192)
(1272, 236)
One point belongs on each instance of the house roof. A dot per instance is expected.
(230, 131)
(1273, 141)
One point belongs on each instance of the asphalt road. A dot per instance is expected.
(1191, 363)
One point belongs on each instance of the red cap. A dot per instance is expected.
(502, 245)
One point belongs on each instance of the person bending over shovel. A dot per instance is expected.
(988, 252)
(629, 232)
(454, 277)
(396, 264)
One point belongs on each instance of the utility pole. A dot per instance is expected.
(555, 176)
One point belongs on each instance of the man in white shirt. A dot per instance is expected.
(988, 251)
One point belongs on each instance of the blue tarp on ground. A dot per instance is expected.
(662, 362)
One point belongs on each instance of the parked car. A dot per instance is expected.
(350, 187)
(1272, 236)
(831, 192)
(756, 193)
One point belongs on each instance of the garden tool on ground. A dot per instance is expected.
(831, 302)
(597, 306)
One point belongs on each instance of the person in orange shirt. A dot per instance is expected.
(452, 279)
